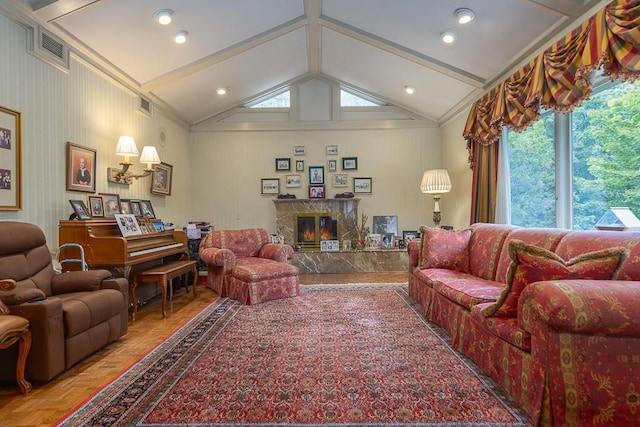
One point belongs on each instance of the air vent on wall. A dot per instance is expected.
(49, 48)
(145, 106)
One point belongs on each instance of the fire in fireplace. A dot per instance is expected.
(311, 228)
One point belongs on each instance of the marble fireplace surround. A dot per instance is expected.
(287, 209)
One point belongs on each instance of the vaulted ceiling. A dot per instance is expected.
(252, 47)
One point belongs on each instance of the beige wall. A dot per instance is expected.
(85, 107)
(227, 168)
(456, 206)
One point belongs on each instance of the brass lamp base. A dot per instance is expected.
(123, 176)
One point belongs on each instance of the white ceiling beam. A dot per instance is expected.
(312, 10)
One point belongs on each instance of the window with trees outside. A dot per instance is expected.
(567, 170)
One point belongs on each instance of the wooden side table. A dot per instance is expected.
(16, 329)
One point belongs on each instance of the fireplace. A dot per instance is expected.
(311, 228)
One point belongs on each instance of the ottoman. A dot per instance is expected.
(255, 280)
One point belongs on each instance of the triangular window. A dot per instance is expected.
(278, 100)
(352, 98)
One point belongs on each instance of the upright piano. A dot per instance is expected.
(104, 246)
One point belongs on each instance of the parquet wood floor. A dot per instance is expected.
(49, 402)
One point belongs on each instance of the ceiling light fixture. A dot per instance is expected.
(464, 15)
(221, 91)
(449, 36)
(180, 36)
(410, 90)
(163, 16)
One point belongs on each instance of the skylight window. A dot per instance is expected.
(279, 100)
(354, 99)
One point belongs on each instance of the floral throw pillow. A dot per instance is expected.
(535, 264)
(445, 248)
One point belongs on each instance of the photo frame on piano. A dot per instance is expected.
(111, 204)
(128, 224)
(147, 209)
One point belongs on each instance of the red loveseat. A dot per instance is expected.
(566, 349)
(245, 265)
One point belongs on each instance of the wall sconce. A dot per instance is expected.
(436, 182)
(127, 147)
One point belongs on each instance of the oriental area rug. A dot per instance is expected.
(337, 355)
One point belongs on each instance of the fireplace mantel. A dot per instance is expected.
(286, 209)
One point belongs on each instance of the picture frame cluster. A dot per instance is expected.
(317, 179)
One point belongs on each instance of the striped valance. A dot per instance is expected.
(558, 78)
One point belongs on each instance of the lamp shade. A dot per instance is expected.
(126, 147)
(435, 181)
(149, 155)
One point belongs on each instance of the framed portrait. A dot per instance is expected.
(292, 181)
(299, 150)
(111, 204)
(270, 186)
(332, 150)
(283, 165)
(299, 165)
(316, 175)
(349, 163)
(316, 192)
(387, 240)
(410, 235)
(372, 242)
(125, 206)
(128, 225)
(147, 209)
(80, 209)
(339, 180)
(10, 161)
(362, 185)
(81, 168)
(385, 224)
(161, 180)
(332, 165)
(135, 208)
(96, 206)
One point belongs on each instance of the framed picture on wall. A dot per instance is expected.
(332, 165)
(162, 177)
(349, 163)
(362, 185)
(293, 181)
(299, 150)
(299, 165)
(316, 192)
(81, 168)
(316, 175)
(340, 180)
(283, 165)
(270, 186)
(10, 164)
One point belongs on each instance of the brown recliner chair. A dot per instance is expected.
(71, 315)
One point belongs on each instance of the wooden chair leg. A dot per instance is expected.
(24, 345)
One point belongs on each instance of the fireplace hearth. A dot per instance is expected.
(341, 224)
(311, 228)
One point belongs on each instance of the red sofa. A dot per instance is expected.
(245, 265)
(566, 349)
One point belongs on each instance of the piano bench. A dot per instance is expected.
(163, 274)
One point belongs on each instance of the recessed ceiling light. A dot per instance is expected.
(464, 15)
(221, 90)
(410, 90)
(449, 36)
(180, 36)
(163, 16)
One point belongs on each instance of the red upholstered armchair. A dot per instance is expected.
(245, 265)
